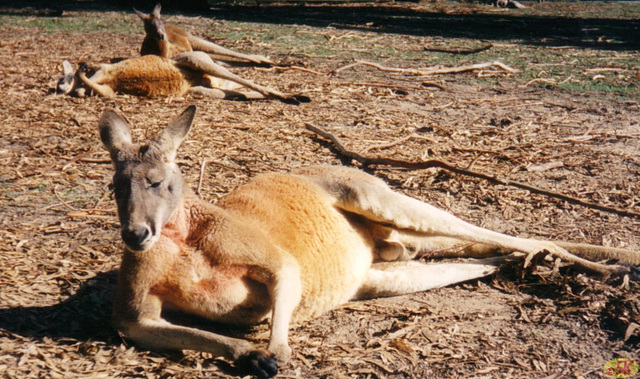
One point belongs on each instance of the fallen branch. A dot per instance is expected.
(429, 71)
(287, 68)
(435, 163)
(385, 85)
(422, 86)
(459, 50)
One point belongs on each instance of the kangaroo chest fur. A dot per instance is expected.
(281, 213)
(150, 76)
(221, 292)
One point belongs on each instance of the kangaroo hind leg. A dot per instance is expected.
(210, 47)
(197, 60)
(369, 197)
(398, 278)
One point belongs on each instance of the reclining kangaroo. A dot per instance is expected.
(168, 40)
(287, 247)
(153, 76)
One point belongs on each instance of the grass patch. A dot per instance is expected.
(75, 24)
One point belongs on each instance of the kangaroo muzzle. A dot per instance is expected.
(137, 237)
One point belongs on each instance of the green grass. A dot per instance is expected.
(564, 68)
(76, 24)
(600, 87)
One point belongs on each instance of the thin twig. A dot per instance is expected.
(463, 50)
(422, 86)
(202, 166)
(287, 68)
(434, 84)
(59, 167)
(63, 202)
(429, 71)
(385, 85)
(367, 161)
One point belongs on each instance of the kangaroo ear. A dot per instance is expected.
(67, 68)
(114, 132)
(143, 16)
(156, 10)
(173, 135)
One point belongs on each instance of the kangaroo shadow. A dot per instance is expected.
(84, 316)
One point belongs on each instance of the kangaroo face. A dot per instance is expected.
(153, 24)
(147, 182)
(147, 191)
(70, 83)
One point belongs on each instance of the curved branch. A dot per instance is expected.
(367, 161)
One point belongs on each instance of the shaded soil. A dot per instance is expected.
(59, 241)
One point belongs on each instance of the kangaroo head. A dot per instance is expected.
(147, 181)
(70, 83)
(153, 24)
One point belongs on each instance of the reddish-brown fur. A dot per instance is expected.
(288, 246)
(154, 76)
(149, 76)
(176, 42)
(168, 41)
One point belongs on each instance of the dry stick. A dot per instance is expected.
(287, 68)
(423, 85)
(434, 84)
(59, 167)
(472, 67)
(366, 161)
(385, 85)
(459, 50)
(63, 202)
(202, 166)
(429, 71)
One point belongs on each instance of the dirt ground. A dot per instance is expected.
(59, 238)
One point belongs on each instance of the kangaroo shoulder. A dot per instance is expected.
(173, 30)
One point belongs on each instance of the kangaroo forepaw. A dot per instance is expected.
(260, 363)
(84, 68)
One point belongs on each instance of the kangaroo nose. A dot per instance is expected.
(136, 236)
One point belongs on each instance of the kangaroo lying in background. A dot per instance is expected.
(168, 40)
(287, 247)
(152, 76)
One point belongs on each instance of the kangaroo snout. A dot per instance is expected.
(137, 237)
(161, 35)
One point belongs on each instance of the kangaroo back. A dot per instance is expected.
(150, 76)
